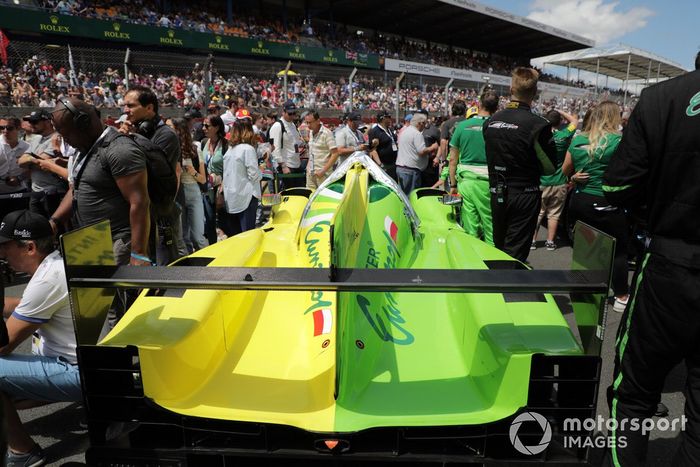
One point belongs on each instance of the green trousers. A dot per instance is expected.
(476, 205)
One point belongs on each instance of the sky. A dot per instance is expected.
(667, 28)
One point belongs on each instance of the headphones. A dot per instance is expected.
(148, 127)
(81, 120)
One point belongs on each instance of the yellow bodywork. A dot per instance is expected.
(244, 355)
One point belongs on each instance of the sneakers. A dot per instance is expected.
(620, 305)
(551, 246)
(33, 458)
(533, 246)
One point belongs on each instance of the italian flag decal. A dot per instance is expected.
(391, 228)
(323, 321)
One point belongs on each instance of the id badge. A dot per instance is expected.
(394, 147)
(36, 344)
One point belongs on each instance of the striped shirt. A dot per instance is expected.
(320, 146)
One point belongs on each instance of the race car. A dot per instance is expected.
(357, 327)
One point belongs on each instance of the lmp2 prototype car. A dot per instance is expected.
(357, 327)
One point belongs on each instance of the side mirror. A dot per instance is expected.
(271, 199)
(451, 200)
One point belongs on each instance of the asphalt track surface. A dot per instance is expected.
(58, 429)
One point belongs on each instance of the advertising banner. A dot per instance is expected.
(23, 20)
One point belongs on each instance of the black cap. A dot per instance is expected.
(382, 115)
(354, 116)
(290, 107)
(24, 225)
(37, 115)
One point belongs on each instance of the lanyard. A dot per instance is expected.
(393, 141)
(80, 161)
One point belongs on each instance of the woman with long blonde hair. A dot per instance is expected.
(587, 159)
(241, 178)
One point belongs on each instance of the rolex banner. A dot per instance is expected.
(22, 20)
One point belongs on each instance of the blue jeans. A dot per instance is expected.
(38, 378)
(193, 217)
(409, 179)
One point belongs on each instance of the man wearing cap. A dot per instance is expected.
(42, 314)
(51, 185)
(349, 139)
(11, 148)
(286, 141)
(323, 150)
(383, 141)
(413, 155)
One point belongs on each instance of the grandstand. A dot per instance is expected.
(472, 45)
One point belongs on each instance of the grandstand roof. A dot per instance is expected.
(613, 62)
(461, 23)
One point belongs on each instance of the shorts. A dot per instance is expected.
(553, 200)
(38, 378)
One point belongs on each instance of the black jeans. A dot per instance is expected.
(514, 221)
(46, 205)
(233, 224)
(659, 329)
(597, 212)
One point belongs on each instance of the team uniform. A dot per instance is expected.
(658, 165)
(519, 149)
(473, 178)
(589, 205)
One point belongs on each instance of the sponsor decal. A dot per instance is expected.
(218, 44)
(116, 32)
(54, 26)
(260, 49)
(387, 322)
(391, 228)
(323, 321)
(694, 106)
(171, 39)
(503, 125)
(24, 233)
(320, 308)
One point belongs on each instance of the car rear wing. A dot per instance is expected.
(93, 279)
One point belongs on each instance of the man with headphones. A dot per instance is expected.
(141, 109)
(108, 181)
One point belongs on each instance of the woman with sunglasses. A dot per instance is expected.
(586, 160)
(214, 146)
(11, 147)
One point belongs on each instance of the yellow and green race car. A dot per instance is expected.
(357, 327)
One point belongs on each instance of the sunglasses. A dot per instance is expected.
(7, 127)
(205, 125)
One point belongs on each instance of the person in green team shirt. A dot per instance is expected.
(468, 170)
(586, 161)
(555, 187)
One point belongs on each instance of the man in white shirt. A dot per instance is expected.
(413, 155)
(11, 148)
(323, 151)
(349, 139)
(42, 314)
(286, 141)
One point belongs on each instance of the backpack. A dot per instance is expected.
(162, 179)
